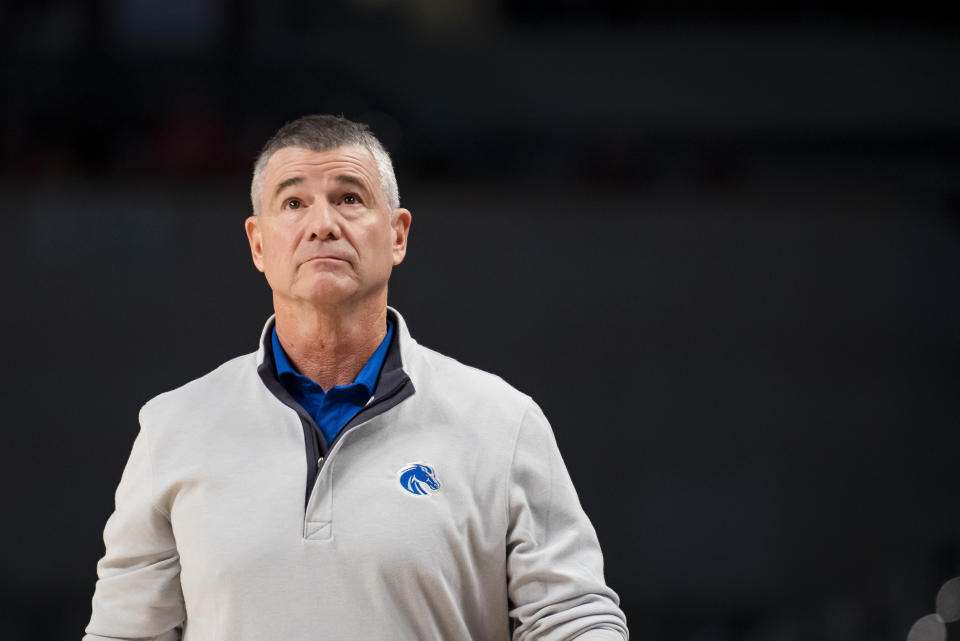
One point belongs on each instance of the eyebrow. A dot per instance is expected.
(289, 182)
(352, 180)
(343, 179)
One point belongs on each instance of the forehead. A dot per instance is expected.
(297, 161)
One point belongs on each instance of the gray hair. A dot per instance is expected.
(322, 133)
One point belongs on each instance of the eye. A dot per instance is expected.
(351, 199)
(292, 203)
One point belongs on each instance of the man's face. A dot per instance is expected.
(325, 234)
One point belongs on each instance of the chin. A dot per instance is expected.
(326, 291)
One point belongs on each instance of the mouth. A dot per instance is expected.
(326, 259)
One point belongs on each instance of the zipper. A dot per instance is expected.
(320, 463)
(346, 428)
(323, 459)
(392, 383)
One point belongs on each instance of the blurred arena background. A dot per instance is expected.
(720, 246)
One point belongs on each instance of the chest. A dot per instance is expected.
(398, 499)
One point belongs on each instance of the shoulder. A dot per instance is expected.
(203, 393)
(444, 377)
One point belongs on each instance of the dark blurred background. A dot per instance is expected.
(718, 244)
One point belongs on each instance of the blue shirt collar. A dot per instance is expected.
(367, 376)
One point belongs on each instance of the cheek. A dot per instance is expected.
(369, 243)
(278, 251)
(383, 253)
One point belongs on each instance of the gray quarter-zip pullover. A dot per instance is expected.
(442, 511)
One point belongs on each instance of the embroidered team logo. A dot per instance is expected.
(418, 478)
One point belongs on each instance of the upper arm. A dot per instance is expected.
(554, 564)
(138, 593)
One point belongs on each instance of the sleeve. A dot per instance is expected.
(138, 593)
(554, 564)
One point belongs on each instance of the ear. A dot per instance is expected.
(252, 226)
(400, 223)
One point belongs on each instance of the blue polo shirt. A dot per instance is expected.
(333, 409)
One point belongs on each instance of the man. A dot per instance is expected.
(344, 482)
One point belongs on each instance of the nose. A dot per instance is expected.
(324, 221)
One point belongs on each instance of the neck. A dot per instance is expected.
(330, 345)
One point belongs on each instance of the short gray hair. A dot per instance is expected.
(322, 133)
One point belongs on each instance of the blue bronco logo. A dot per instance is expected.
(418, 478)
